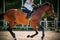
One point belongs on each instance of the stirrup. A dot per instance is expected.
(29, 18)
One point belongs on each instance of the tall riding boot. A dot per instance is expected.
(29, 15)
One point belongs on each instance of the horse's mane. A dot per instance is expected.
(38, 5)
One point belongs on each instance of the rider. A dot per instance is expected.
(28, 5)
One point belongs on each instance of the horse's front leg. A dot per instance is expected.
(33, 34)
(43, 34)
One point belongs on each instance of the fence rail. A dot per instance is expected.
(43, 23)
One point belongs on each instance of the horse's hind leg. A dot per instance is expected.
(42, 32)
(33, 34)
(11, 32)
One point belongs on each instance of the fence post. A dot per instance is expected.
(22, 2)
(4, 23)
(40, 2)
(45, 24)
(56, 24)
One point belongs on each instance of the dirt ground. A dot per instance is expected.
(22, 35)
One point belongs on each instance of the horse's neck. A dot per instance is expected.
(40, 11)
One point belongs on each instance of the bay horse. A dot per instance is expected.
(15, 16)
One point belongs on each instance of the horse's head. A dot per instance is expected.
(50, 9)
(46, 7)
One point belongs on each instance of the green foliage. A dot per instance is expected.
(13, 4)
(1, 5)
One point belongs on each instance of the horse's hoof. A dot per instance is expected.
(28, 36)
(42, 38)
(31, 36)
(15, 39)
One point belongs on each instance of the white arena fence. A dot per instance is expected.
(45, 24)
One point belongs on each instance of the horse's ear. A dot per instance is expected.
(47, 3)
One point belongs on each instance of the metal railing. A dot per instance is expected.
(43, 23)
